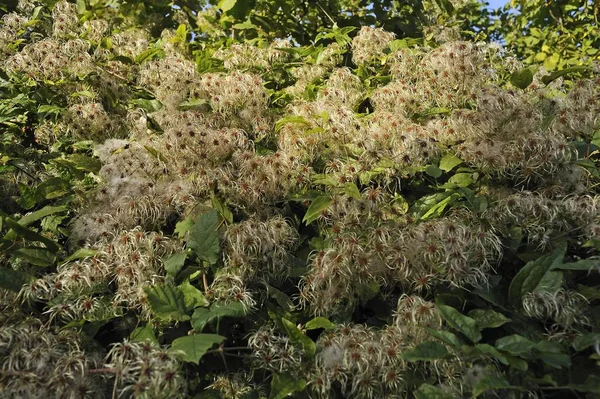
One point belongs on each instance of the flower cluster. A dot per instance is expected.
(37, 363)
(145, 370)
(369, 44)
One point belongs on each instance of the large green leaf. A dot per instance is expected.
(142, 334)
(319, 322)
(460, 322)
(285, 384)
(37, 256)
(514, 344)
(488, 318)
(31, 235)
(195, 346)
(537, 276)
(167, 302)
(522, 79)
(204, 237)
(202, 316)
(445, 336)
(426, 351)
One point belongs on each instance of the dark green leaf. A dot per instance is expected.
(426, 351)
(142, 334)
(460, 322)
(433, 171)
(285, 384)
(195, 346)
(81, 254)
(492, 352)
(488, 318)
(175, 262)
(167, 302)
(489, 383)
(514, 344)
(587, 265)
(532, 276)
(31, 235)
(445, 336)
(37, 256)
(13, 280)
(202, 316)
(555, 75)
(427, 391)
(586, 340)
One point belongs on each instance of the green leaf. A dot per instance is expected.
(587, 265)
(148, 54)
(445, 336)
(280, 297)
(449, 162)
(31, 235)
(167, 302)
(433, 171)
(183, 226)
(555, 75)
(460, 322)
(352, 191)
(585, 341)
(192, 296)
(318, 205)
(202, 316)
(427, 391)
(13, 280)
(42, 213)
(426, 351)
(297, 336)
(437, 209)
(195, 346)
(204, 237)
(85, 162)
(487, 318)
(488, 383)
(514, 344)
(522, 79)
(492, 352)
(221, 208)
(81, 253)
(174, 263)
(227, 5)
(143, 334)
(532, 277)
(591, 385)
(290, 119)
(319, 322)
(37, 256)
(147, 105)
(285, 384)
(461, 179)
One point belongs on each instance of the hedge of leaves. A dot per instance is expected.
(364, 217)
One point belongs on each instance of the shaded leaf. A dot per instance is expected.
(143, 334)
(460, 322)
(202, 316)
(426, 351)
(37, 256)
(487, 318)
(192, 296)
(522, 79)
(427, 391)
(489, 383)
(174, 263)
(533, 273)
(285, 384)
(13, 280)
(514, 344)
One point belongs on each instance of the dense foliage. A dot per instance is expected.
(198, 205)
